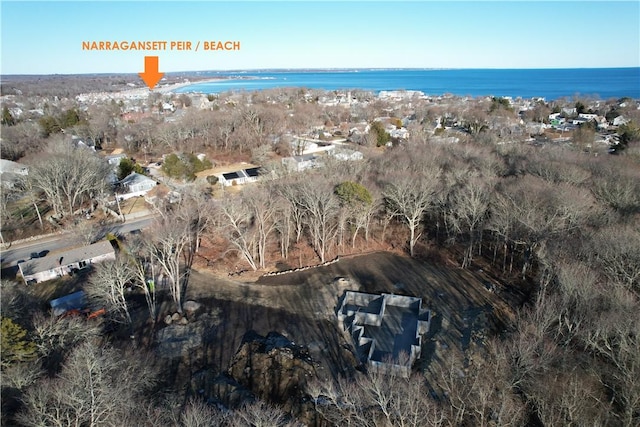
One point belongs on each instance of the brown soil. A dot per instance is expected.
(301, 306)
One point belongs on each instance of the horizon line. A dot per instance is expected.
(312, 69)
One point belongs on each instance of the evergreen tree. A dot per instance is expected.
(14, 346)
(7, 117)
(127, 166)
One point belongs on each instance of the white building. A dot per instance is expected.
(300, 163)
(239, 177)
(135, 185)
(345, 154)
(61, 263)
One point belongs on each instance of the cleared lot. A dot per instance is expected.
(301, 306)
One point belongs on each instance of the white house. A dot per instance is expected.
(7, 166)
(346, 155)
(10, 172)
(588, 116)
(134, 185)
(401, 133)
(61, 263)
(618, 121)
(300, 163)
(239, 177)
(302, 146)
(114, 159)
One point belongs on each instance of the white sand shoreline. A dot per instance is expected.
(172, 87)
(141, 92)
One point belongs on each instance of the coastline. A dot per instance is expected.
(139, 92)
(174, 86)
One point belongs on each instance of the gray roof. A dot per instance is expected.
(305, 158)
(135, 178)
(13, 167)
(68, 257)
(76, 300)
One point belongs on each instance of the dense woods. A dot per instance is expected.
(558, 222)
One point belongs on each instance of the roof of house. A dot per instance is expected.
(64, 258)
(9, 166)
(394, 325)
(76, 300)
(252, 172)
(231, 175)
(305, 158)
(135, 178)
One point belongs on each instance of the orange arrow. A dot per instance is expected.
(151, 75)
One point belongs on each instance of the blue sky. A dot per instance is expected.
(46, 37)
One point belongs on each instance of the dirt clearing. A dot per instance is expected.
(301, 305)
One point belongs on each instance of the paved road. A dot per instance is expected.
(23, 251)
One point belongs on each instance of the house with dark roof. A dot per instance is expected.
(58, 264)
(386, 329)
(238, 177)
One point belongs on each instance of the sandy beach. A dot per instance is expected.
(174, 86)
(140, 92)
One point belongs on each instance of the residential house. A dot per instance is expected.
(386, 329)
(10, 172)
(619, 121)
(588, 116)
(135, 185)
(65, 262)
(7, 166)
(300, 163)
(168, 106)
(401, 133)
(302, 146)
(346, 154)
(239, 177)
(114, 159)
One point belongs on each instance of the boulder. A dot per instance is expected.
(176, 340)
(191, 306)
(273, 368)
(168, 319)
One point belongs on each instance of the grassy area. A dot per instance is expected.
(133, 205)
(23, 220)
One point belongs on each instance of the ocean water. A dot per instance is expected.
(602, 83)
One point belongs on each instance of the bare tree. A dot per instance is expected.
(262, 204)
(377, 399)
(237, 221)
(198, 414)
(143, 267)
(410, 196)
(108, 285)
(321, 207)
(468, 209)
(97, 386)
(260, 414)
(291, 191)
(166, 245)
(55, 337)
(616, 187)
(616, 250)
(68, 176)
